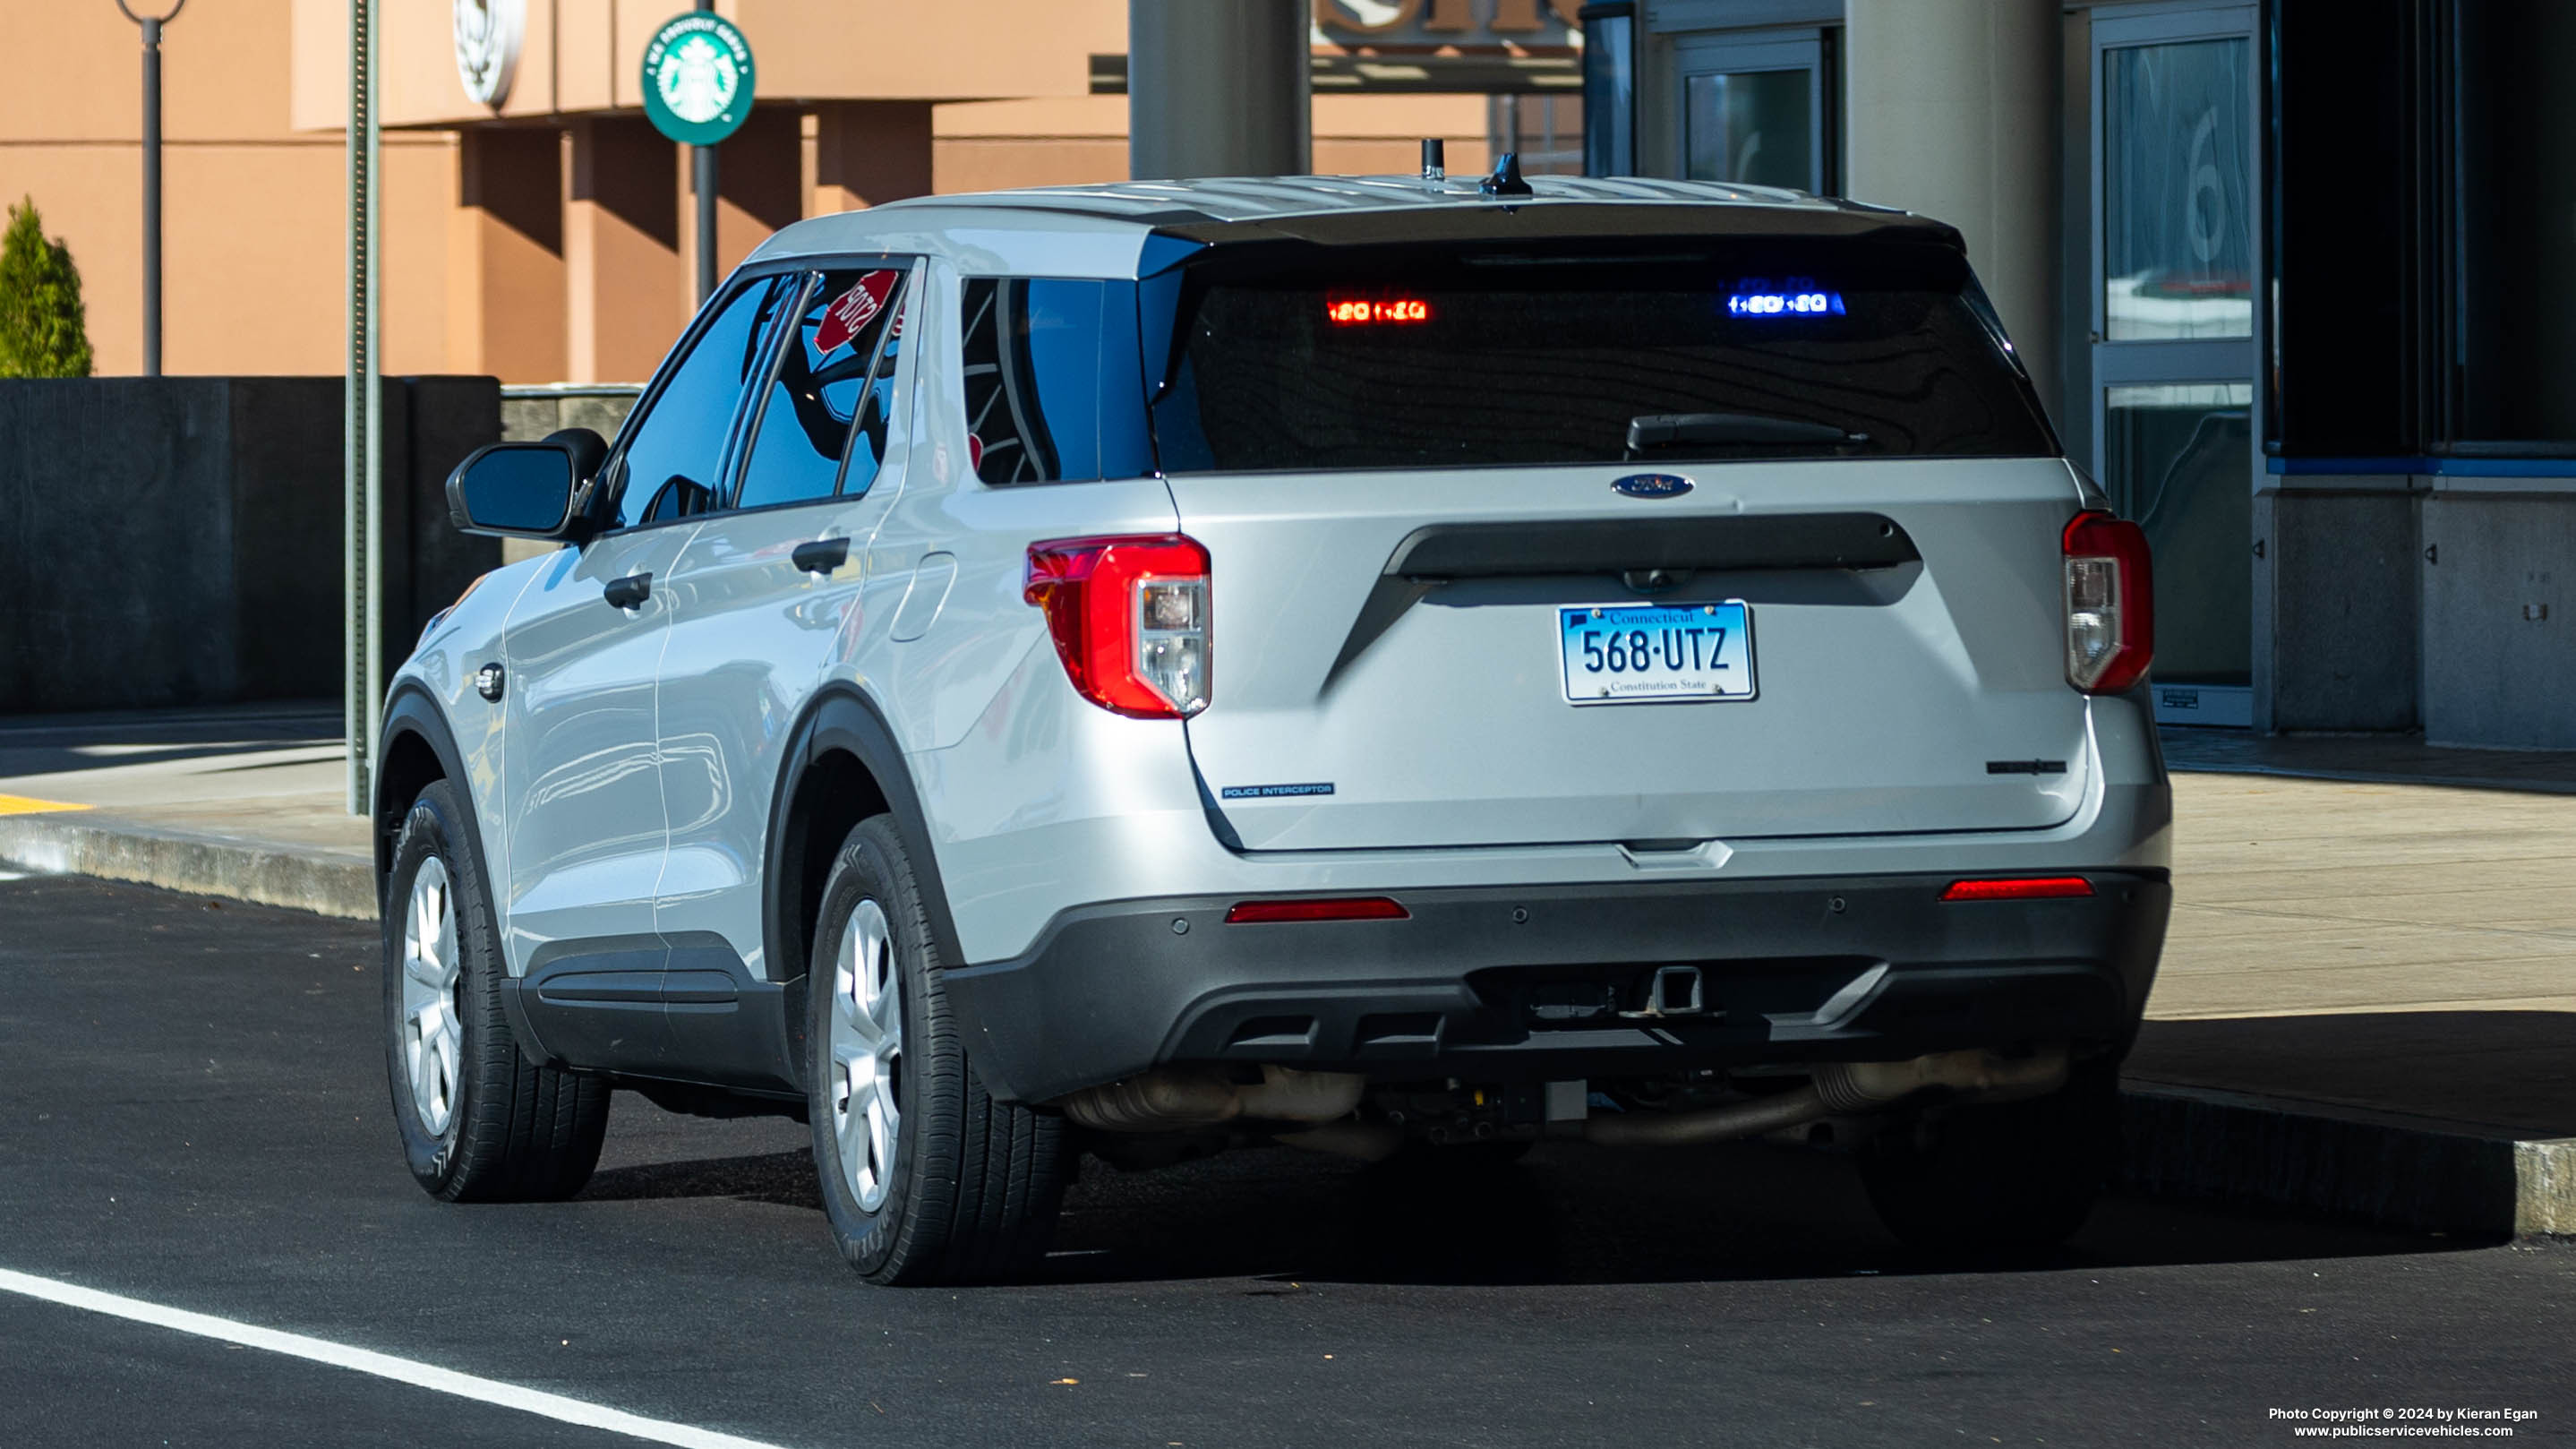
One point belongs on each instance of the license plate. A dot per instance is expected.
(1649, 653)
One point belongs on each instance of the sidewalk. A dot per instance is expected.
(2368, 997)
(2367, 1005)
(246, 802)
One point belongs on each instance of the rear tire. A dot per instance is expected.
(480, 1122)
(2015, 1177)
(925, 1178)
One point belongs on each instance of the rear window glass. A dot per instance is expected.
(1822, 350)
(1053, 383)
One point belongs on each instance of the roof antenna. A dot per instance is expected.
(1506, 180)
(1435, 159)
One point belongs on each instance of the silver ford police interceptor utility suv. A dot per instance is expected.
(1375, 665)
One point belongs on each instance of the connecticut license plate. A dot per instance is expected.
(1646, 653)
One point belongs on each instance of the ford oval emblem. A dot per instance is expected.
(1652, 485)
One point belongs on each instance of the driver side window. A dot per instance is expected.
(670, 463)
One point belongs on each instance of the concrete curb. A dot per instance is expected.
(88, 843)
(2182, 1141)
(2382, 1168)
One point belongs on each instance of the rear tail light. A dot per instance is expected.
(2024, 888)
(2110, 603)
(1354, 908)
(1130, 620)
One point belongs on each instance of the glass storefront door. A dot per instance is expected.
(1753, 109)
(2174, 140)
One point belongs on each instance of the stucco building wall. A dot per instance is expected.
(548, 239)
(254, 234)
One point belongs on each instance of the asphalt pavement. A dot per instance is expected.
(195, 1117)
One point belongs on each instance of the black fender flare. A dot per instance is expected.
(412, 709)
(841, 717)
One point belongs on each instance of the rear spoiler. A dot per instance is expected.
(1623, 225)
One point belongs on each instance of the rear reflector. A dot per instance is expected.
(1354, 908)
(2032, 888)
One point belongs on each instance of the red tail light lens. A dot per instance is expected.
(1355, 908)
(2027, 888)
(1130, 620)
(2110, 603)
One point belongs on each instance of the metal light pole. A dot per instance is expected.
(362, 430)
(152, 179)
(702, 160)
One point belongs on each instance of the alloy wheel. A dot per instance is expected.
(867, 1054)
(433, 1023)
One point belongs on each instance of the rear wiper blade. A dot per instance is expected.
(1678, 430)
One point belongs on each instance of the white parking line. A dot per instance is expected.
(384, 1366)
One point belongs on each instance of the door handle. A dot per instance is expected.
(629, 592)
(822, 555)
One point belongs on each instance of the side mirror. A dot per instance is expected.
(517, 490)
(589, 450)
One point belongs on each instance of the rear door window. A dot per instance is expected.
(877, 406)
(819, 389)
(670, 465)
(1391, 360)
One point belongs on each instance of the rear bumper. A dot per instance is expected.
(1503, 984)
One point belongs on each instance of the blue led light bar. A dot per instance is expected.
(1785, 304)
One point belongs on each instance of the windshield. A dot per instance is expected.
(1762, 350)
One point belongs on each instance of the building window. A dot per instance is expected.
(2511, 287)
(2174, 457)
(1755, 109)
(2177, 194)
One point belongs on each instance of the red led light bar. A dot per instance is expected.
(1363, 311)
(2027, 888)
(1351, 908)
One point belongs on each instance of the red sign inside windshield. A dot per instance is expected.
(1368, 311)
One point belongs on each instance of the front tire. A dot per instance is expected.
(2018, 1177)
(480, 1122)
(925, 1178)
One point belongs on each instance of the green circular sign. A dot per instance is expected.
(697, 79)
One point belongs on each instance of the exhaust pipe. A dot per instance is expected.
(1841, 1089)
(1367, 1141)
(1714, 1124)
(1979, 1076)
(1178, 1099)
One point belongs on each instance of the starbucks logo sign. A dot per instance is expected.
(488, 36)
(697, 79)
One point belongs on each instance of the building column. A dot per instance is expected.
(505, 256)
(1952, 111)
(625, 284)
(867, 152)
(1218, 88)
